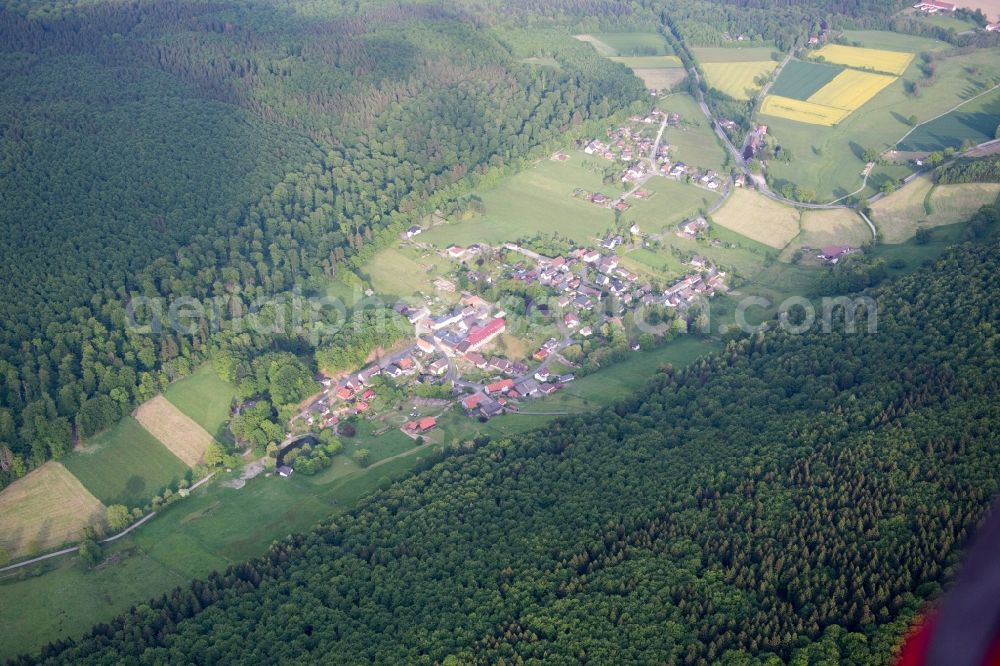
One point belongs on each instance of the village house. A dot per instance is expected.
(456, 252)
(469, 403)
(482, 335)
(413, 231)
(420, 426)
(835, 253)
(476, 359)
(501, 386)
(571, 320)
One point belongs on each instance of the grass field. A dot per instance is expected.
(821, 228)
(899, 215)
(800, 79)
(880, 60)
(395, 272)
(694, 142)
(829, 160)
(976, 121)
(755, 216)
(45, 509)
(125, 465)
(184, 437)
(660, 79)
(650, 62)
(894, 41)
(707, 54)
(851, 89)
(205, 398)
(539, 200)
(802, 112)
(737, 79)
(633, 43)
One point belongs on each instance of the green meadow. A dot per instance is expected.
(800, 79)
(125, 465)
(205, 398)
(694, 142)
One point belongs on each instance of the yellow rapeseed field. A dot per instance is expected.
(737, 79)
(893, 62)
(851, 89)
(803, 112)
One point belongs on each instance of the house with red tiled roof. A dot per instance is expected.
(344, 393)
(472, 401)
(501, 386)
(481, 335)
(421, 426)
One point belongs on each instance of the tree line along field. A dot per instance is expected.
(628, 43)
(828, 160)
(923, 204)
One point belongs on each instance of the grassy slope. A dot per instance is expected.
(828, 159)
(899, 215)
(694, 142)
(125, 465)
(205, 398)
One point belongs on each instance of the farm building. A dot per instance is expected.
(285, 471)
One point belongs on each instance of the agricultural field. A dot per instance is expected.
(536, 200)
(539, 200)
(179, 433)
(829, 105)
(822, 228)
(921, 204)
(45, 509)
(758, 218)
(894, 41)
(709, 54)
(828, 159)
(739, 80)
(660, 79)
(693, 142)
(880, 60)
(802, 112)
(396, 273)
(125, 465)
(649, 62)
(800, 78)
(629, 43)
(851, 89)
(205, 398)
(976, 121)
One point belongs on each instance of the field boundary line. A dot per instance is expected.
(954, 108)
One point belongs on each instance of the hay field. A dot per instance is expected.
(899, 215)
(658, 79)
(891, 62)
(821, 228)
(737, 79)
(803, 112)
(45, 509)
(759, 218)
(851, 89)
(649, 62)
(186, 439)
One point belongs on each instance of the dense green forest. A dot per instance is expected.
(228, 152)
(793, 498)
(974, 170)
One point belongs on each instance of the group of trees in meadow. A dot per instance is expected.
(791, 498)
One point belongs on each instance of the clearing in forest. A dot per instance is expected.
(186, 439)
(45, 509)
(759, 218)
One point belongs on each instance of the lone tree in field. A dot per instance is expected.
(118, 517)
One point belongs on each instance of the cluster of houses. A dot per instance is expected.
(601, 199)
